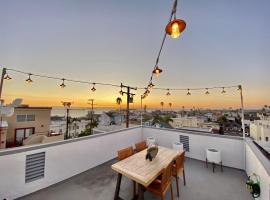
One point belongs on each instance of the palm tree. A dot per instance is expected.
(145, 107)
(119, 102)
(74, 121)
(157, 119)
(89, 128)
(170, 105)
(162, 104)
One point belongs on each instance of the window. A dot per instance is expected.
(23, 118)
(23, 133)
(30, 118)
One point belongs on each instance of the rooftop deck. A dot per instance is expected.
(99, 184)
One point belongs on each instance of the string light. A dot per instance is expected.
(207, 92)
(175, 26)
(188, 93)
(168, 92)
(29, 80)
(147, 91)
(174, 29)
(93, 88)
(7, 77)
(62, 85)
(223, 90)
(157, 71)
(57, 78)
(151, 85)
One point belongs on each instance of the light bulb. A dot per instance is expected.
(175, 30)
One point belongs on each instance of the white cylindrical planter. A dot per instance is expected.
(150, 141)
(213, 156)
(178, 146)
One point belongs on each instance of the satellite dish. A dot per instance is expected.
(16, 102)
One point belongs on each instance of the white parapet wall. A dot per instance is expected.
(62, 160)
(232, 148)
(257, 163)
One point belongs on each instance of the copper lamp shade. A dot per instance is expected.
(181, 26)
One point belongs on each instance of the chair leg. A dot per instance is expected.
(184, 176)
(171, 191)
(221, 166)
(177, 185)
(213, 167)
(206, 163)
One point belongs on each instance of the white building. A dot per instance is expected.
(260, 130)
(186, 122)
(74, 129)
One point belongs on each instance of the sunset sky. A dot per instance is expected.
(226, 42)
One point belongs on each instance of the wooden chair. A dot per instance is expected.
(140, 146)
(179, 170)
(123, 154)
(161, 184)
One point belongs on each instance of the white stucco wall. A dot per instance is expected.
(232, 150)
(254, 165)
(62, 161)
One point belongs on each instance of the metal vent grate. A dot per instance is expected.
(34, 167)
(185, 141)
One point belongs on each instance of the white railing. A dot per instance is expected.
(257, 163)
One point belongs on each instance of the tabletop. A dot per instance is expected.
(143, 171)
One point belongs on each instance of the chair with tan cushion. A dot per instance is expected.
(162, 184)
(140, 146)
(179, 170)
(123, 154)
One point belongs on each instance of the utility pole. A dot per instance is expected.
(67, 105)
(4, 71)
(91, 102)
(129, 95)
(242, 111)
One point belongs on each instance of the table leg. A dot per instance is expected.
(135, 195)
(117, 189)
(141, 192)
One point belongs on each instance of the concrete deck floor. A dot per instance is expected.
(99, 184)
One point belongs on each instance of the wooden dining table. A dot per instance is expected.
(143, 171)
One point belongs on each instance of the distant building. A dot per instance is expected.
(3, 134)
(111, 118)
(186, 122)
(74, 128)
(260, 130)
(27, 121)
